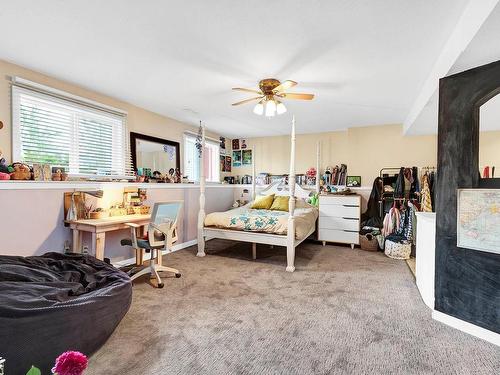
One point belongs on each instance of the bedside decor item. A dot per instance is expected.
(353, 181)
(199, 136)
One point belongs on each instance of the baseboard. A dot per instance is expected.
(147, 256)
(467, 327)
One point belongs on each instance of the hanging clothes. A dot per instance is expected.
(371, 216)
(392, 222)
(426, 203)
(399, 190)
(415, 185)
(432, 185)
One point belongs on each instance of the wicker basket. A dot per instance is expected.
(368, 242)
(396, 250)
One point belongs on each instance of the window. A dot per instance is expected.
(192, 160)
(82, 138)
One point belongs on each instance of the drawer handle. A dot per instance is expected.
(350, 218)
(350, 205)
(351, 231)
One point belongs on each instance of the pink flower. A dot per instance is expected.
(70, 363)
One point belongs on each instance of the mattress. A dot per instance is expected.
(265, 221)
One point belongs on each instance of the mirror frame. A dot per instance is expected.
(135, 136)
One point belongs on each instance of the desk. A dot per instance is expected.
(98, 229)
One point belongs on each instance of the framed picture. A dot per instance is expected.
(243, 144)
(353, 181)
(236, 144)
(228, 164)
(237, 158)
(222, 144)
(222, 160)
(246, 157)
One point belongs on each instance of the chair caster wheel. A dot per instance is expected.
(177, 275)
(160, 285)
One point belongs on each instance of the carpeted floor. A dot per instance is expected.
(342, 311)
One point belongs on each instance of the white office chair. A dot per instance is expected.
(161, 234)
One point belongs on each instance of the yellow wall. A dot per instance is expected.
(139, 120)
(365, 150)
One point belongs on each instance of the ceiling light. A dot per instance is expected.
(270, 108)
(259, 108)
(280, 108)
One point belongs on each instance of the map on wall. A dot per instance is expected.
(478, 219)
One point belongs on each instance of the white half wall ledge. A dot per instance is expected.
(467, 327)
(475, 14)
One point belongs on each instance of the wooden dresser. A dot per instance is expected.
(339, 219)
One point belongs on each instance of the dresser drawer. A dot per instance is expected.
(353, 200)
(342, 236)
(330, 222)
(340, 211)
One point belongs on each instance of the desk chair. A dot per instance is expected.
(161, 234)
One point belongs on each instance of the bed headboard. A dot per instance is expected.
(282, 188)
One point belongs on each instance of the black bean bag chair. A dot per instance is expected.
(57, 302)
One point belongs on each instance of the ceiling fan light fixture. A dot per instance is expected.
(280, 108)
(259, 109)
(270, 108)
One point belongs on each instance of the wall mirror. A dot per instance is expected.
(489, 141)
(154, 153)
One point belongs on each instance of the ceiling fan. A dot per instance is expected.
(270, 95)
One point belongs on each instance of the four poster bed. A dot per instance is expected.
(279, 228)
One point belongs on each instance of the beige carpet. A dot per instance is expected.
(343, 311)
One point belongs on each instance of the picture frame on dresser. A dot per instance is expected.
(339, 219)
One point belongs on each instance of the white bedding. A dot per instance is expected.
(267, 221)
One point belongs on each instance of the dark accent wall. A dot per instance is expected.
(467, 281)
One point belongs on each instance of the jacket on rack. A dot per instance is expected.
(426, 203)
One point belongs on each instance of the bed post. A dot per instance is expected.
(290, 241)
(253, 176)
(201, 213)
(318, 148)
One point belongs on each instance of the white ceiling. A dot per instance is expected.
(483, 49)
(365, 60)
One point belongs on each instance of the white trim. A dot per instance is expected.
(467, 327)
(55, 185)
(22, 82)
(147, 256)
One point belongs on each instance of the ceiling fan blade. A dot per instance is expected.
(247, 90)
(296, 96)
(285, 85)
(247, 100)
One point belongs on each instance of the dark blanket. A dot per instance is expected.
(57, 302)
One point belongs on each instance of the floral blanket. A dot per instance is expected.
(274, 222)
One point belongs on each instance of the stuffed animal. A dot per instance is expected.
(21, 172)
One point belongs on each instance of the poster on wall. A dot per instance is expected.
(237, 158)
(228, 164)
(222, 160)
(243, 144)
(222, 144)
(246, 157)
(236, 144)
(478, 219)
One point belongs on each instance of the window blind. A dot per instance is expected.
(84, 140)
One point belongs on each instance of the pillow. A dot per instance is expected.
(263, 202)
(280, 203)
